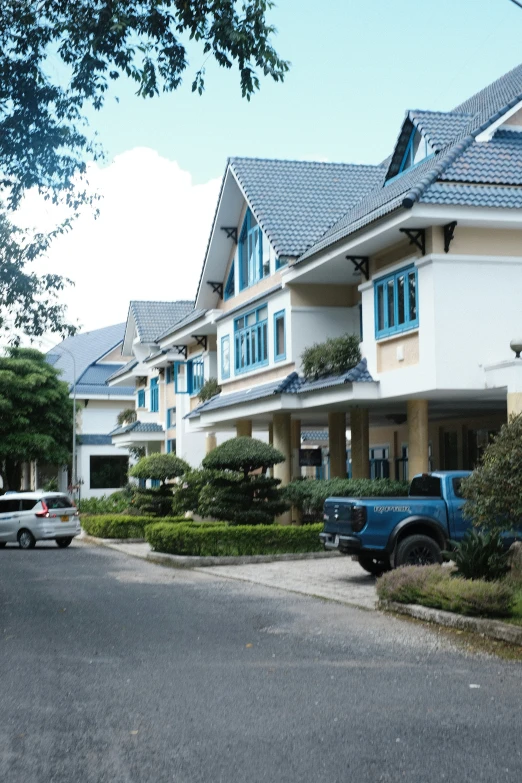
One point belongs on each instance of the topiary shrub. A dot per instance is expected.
(157, 467)
(235, 493)
(209, 389)
(479, 556)
(333, 357)
(308, 495)
(121, 526)
(188, 490)
(494, 490)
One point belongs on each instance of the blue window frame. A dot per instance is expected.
(250, 252)
(182, 378)
(154, 483)
(169, 373)
(280, 262)
(396, 303)
(154, 395)
(197, 370)
(229, 289)
(251, 340)
(225, 357)
(279, 336)
(141, 398)
(171, 417)
(171, 446)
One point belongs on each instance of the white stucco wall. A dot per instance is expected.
(84, 469)
(311, 325)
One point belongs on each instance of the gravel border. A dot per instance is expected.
(495, 629)
(185, 561)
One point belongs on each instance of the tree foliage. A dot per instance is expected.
(333, 357)
(159, 467)
(57, 57)
(209, 389)
(35, 413)
(234, 493)
(493, 492)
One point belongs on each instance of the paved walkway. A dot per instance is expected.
(336, 579)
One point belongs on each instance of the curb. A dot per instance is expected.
(185, 561)
(495, 629)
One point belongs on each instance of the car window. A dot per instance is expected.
(7, 506)
(457, 487)
(28, 504)
(58, 501)
(426, 487)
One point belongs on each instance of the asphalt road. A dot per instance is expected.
(119, 670)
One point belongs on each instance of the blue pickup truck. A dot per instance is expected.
(383, 532)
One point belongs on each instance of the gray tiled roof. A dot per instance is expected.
(462, 159)
(292, 384)
(86, 348)
(441, 128)
(307, 435)
(195, 315)
(122, 370)
(94, 381)
(473, 195)
(295, 202)
(153, 318)
(137, 426)
(95, 440)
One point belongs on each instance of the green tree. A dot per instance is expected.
(57, 57)
(333, 357)
(162, 468)
(493, 492)
(236, 493)
(35, 413)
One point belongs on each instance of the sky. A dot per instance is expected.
(356, 67)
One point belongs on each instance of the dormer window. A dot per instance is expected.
(251, 267)
(417, 149)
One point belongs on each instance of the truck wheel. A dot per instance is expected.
(418, 550)
(373, 566)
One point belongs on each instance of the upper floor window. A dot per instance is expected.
(198, 375)
(169, 373)
(418, 149)
(171, 417)
(141, 398)
(396, 303)
(251, 340)
(279, 336)
(225, 357)
(229, 289)
(189, 376)
(251, 268)
(171, 446)
(154, 395)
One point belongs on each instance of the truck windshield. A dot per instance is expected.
(426, 487)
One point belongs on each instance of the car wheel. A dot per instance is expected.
(418, 550)
(373, 566)
(26, 540)
(63, 542)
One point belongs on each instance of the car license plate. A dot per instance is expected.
(336, 542)
(65, 518)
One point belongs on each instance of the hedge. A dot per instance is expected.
(308, 495)
(221, 539)
(120, 526)
(437, 587)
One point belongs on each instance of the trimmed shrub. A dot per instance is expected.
(436, 587)
(107, 504)
(494, 490)
(308, 495)
(186, 493)
(222, 540)
(111, 526)
(159, 467)
(333, 357)
(234, 493)
(479, 556)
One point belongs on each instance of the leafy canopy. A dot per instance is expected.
(159, 467)
(493, 492)
(244, 455)
(333, 357)
(35, 413)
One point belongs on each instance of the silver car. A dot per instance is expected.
(28, 517)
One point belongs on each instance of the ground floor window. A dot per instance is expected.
(109, 472)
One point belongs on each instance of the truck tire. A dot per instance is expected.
(373, 566)
(418, 550)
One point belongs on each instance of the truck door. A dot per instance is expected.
(455, 502)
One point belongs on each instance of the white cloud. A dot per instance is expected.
(148, 242)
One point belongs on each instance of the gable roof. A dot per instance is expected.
(94, 381)
(459, 159)
(154, 318)
(295, 202)
(86, 348)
